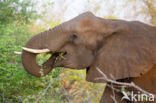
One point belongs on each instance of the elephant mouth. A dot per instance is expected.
(57, 56)
(54, 58)
(87, 69)
(40, 62)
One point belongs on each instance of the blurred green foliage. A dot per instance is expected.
(16, 11)
(17, 26)
(16, 85)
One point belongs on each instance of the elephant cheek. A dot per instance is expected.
(59, 63)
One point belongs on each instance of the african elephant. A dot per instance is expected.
(124, 50)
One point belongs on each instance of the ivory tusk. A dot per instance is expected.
(36, 50)
(17, 52)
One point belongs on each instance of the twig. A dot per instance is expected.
(43, 93)
(117, 90)
(121, 83)
(66, 96)
(115, 101)
(113, 96)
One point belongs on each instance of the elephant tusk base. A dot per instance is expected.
(36, 50)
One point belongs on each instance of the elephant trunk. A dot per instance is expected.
(45, 40)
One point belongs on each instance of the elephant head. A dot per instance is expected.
(119, 48)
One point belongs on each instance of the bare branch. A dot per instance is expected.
(113, 96)
(122, 83)
(43, 93)
(115, 101)
(67, 95)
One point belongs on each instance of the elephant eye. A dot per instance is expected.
(73, 36)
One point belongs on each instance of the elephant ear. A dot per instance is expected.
(129, 53)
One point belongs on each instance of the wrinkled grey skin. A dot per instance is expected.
(126, 50)
(65, 37)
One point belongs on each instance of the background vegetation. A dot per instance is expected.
(17, 25)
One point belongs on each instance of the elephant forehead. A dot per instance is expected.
(83, 22)
(89, 25)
